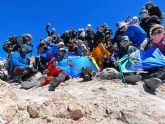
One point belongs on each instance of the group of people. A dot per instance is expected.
(135, 34)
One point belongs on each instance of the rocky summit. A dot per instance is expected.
(77, 102)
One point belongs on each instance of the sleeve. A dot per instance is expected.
(47, 30)
(15, 60)
(131, 49)
(159, 13)
(50, 65)
(140, 33)
(112, 58)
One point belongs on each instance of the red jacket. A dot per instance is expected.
(53, 71)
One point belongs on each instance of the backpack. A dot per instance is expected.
(6, 46)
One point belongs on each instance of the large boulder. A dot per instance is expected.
(153, 83)
(133, 78)
(109, 74)
(160, 75)
(33, 112)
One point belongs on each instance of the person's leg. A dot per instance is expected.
(17, 74)
(57, 80)
(43, 65)
(144, 44)
(28, 73)
(90, 45)
(43, 81)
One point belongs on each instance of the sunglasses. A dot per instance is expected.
(157, 32)
(124, 41)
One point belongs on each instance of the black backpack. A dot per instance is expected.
(6, 46)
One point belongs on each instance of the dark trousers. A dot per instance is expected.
(22, 73)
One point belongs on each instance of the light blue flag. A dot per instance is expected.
(142, 60)
(73, 66)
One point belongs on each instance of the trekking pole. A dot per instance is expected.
(126, 19)
(121, 73)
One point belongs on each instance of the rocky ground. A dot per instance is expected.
(77, 102)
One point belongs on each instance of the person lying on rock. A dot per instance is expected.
(54, 74)
(19, 68)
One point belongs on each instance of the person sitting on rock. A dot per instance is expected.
(157, 34)
(19, 68)
(157, 76)
(124, 49)
(55, 74)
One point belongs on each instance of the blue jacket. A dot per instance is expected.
(49, 53)
(136, 34)
(18, 59)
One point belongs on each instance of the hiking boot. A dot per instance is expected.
(133, 78)
(85, 75)
(153, 83)
(89, 70)
(27, 84)
(15, 80)
(163, 81)
(51, 88)
(55, 82)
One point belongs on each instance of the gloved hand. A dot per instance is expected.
(144, 44)
(49, 24)
(31, 69)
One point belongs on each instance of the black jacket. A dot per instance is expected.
(50, 33)
(155, 10)
(65, 37)
(89, 35)
(148, 22)
(117, 37)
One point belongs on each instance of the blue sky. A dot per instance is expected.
(31, 16)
